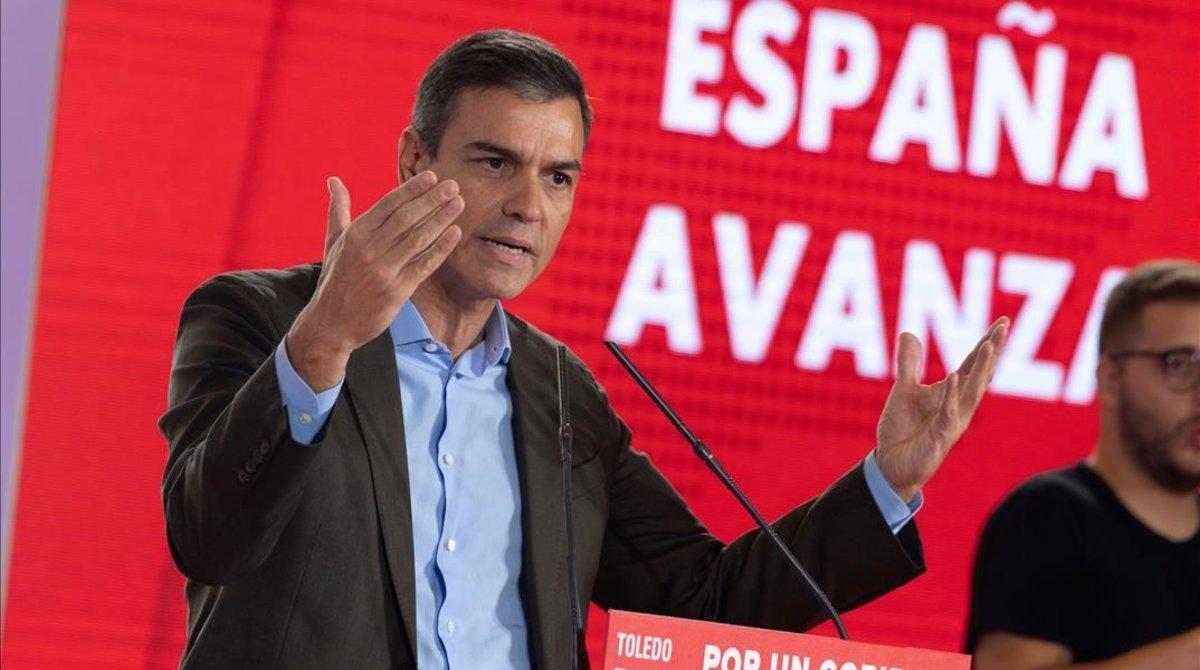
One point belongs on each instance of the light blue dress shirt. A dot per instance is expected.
(465, 493)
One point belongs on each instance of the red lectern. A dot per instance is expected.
(650, 642)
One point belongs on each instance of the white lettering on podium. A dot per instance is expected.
(644, 647)
(831, 664)
(789, 662)
(731, 658)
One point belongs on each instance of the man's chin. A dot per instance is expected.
(1183, 482)
(1162, 454)
(1185, 465)
(499, 290)
(479, 282)
(1174, 472)
(508, 283)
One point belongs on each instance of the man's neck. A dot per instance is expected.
(458, 323)
(1172, 514)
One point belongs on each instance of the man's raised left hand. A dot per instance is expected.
(920, 423)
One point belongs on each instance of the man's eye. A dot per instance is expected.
(561, 179)
(494, 163)
(1176, 360)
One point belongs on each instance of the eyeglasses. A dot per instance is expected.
(1180, 367)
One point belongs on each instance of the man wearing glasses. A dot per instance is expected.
(1098, 564)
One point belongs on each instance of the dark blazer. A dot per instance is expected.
(301, 556)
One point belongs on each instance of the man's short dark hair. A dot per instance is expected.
(524, 64)
(1155, 281)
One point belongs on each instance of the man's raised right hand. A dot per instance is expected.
(372, 266)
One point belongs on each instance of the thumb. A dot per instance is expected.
(339, 211)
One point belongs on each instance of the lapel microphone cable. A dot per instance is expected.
(565, 436)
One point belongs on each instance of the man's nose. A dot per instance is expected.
(526, 200)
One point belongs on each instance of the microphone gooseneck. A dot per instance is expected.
(705, 454)
(565, 436)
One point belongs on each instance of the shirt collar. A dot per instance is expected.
(408, 327)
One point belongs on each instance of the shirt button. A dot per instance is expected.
(451, 545)
(449, 626)
(431, 347)
(305, 418)
(448, 459)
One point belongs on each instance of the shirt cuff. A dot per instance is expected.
(895, 511)
(307, 410)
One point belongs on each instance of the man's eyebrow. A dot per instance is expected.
(488, 147)
(572, 165)
(509, 154)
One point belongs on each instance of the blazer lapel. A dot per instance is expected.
(374, 390)
(531, 383)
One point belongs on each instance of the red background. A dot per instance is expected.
(194, 137)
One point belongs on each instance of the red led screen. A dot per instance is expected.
(773, 190)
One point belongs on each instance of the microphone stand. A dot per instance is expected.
(706, 456)
(565, 436)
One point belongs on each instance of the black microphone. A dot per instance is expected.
(706, 455)
(564, 441)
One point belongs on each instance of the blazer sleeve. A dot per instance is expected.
(234, 476)
(658, 558)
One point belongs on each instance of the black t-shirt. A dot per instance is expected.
(1061, 559)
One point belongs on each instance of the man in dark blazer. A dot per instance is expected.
(304, 539)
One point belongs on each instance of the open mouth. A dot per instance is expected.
(508, 246)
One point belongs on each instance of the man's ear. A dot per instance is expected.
(1108, 381)
(412, 157)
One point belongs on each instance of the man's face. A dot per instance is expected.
(1160, 427)
(517, 164)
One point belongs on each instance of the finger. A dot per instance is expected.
(976, 384)
(423, 265)
(908, 359)
(418, 185)
(997, 341)
(996, 336)
(943, 422)
(416, 211)
(339, 211)
(969, 361)
(418, 238)
(1000, 336)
